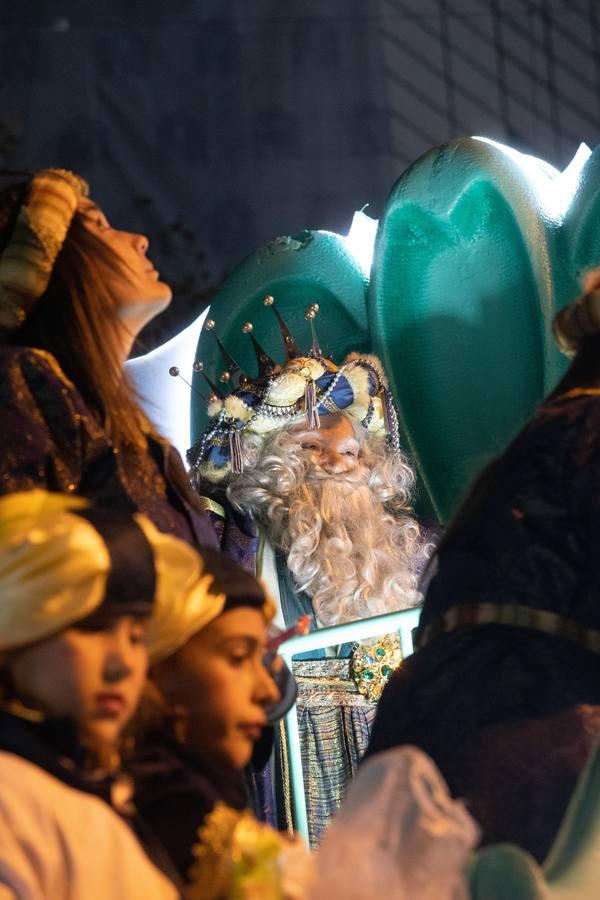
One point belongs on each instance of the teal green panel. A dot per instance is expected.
(312, 267)
(462, 295)
(505, 872)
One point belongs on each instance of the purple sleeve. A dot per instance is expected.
(42, 419)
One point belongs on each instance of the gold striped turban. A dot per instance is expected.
(38, 235)
(62, 559)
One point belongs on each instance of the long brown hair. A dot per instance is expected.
(76, 320)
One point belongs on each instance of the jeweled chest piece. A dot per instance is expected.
(371, 665)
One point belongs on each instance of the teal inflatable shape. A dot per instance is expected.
(311, 267)
(477, 249)
(572, 868)
(474, 255)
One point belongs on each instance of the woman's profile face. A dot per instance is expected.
(92, 673)
(133, 281)
(220, 680)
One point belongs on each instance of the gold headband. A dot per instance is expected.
(39, 233)
(542, 620)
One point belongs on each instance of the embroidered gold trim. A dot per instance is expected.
(209, 505)
(542, 620)
(285, 774)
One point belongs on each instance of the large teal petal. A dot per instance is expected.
(581, 227)
(465, 282)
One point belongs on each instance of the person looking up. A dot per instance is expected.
(74, 294)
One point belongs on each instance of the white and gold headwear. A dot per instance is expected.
(226, 586)
(62, 559)
(38, 235)
(305, 386)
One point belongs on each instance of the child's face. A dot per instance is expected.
(220, 679)
(92, 673)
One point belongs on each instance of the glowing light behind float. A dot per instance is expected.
(360, 240)
(166, 400)
(554, 190)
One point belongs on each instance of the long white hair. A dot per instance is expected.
(350, 540)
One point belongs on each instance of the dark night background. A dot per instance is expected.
(215, 125)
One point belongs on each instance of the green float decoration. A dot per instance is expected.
(311, 267)
(478, 247)
(473, 258)
(572, 868)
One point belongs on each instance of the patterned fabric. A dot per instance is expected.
(334, 719)
(50, 439)
(335, 723)
(482, 699)
(526, 537)
(236, 532)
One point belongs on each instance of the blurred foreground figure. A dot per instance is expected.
(303, 468)
(79, 585)
(504, 690)
(405, 836)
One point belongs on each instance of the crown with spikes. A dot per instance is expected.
(280, 395)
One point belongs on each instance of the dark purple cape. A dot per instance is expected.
(50, 439)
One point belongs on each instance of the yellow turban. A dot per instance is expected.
(55, 567)
(224, 585)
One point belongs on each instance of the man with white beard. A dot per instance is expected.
(303, 472)
(336, 505)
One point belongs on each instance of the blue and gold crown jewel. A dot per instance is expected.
(307, 385)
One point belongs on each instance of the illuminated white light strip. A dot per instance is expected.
(403, 622)
(360, 240)
(554, 190)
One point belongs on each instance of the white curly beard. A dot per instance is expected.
(353, 557)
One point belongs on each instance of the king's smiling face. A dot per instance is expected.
(336, 502)
(332, 447)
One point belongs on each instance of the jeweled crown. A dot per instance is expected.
(309, 385)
